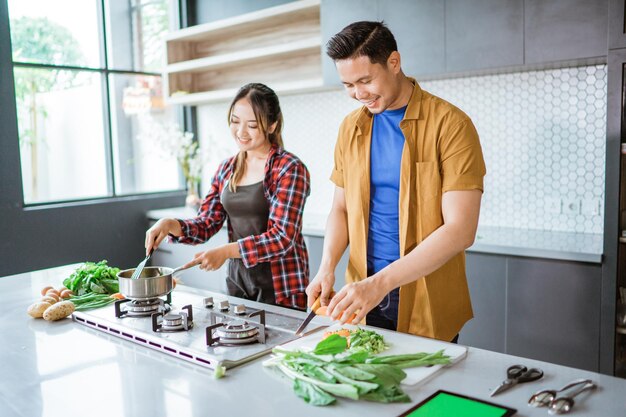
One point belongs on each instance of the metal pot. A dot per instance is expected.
(154, 281)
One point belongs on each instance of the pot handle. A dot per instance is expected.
(181, 268)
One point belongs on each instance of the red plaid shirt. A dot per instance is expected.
(286, 186)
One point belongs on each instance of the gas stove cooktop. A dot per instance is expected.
(206, 328)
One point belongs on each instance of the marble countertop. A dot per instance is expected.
(66, 369)
(580, 247)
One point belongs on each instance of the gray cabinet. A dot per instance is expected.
(617, 24)
(559, 30)
(553, 311)
(537, 308)
(484, 34)
(173, 255)
(437, 37)
(486, 277)
(418, 26)
(334, 16)
(315, 246)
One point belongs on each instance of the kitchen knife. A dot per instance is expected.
(308, 318)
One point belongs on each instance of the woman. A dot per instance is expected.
(261, 191)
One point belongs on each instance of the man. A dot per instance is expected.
(409, 179)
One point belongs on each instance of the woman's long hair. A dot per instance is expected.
(266, 108)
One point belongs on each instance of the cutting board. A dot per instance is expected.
(399, 343)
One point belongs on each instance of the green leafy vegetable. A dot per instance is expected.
(332, 370)
(91, 300)
(93, 284)
(367, 340)
(311, 393)
(93, 277)
(331, 345)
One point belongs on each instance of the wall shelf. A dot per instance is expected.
(278, 46)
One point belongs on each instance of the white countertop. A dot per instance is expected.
(581, 247)
(66, 369)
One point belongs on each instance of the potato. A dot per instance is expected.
(48, 299)
(44, 290)
(37, 310)
(53, 294)
(66, 293)
(59, 311)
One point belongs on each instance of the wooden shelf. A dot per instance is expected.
(284, 88)
(251, 55)
(278, 46)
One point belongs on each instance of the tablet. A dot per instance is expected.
(448, 404)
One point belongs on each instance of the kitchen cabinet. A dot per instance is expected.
(176, 254)
(486, 277)
(560, 30)
(417, 25)
(553, 311)
(335, 15)
(539, 308)
(484, 34)
(617, 24)
(419, 29)
(614, 271)
(315, 246)
(278, 46)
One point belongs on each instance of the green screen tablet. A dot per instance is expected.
(448, 404)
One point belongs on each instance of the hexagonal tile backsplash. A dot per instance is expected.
(543, 135)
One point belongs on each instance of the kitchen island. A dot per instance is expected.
(66, 369)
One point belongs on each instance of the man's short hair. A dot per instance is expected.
(371, 39)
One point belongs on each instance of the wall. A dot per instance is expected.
(543, 136)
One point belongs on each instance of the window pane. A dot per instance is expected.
(61, 134)
(49, 32)
(144, 154)
(135, 35)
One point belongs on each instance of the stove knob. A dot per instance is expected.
(208, 302)
(223, 305)
(240, 309)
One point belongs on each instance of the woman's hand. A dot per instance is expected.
(213, 259)
(357, 298)
(159, 231)
(321, 286)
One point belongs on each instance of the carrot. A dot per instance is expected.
(341, 332)
(117, 296)
(323, 311)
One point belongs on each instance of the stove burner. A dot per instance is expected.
(173, 321)
(231, 331)
(237, 332)
(142, 308)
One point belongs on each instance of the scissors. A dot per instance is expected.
(518, 374)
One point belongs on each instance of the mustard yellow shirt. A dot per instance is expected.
(441, 153)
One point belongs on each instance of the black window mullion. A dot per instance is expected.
(106, 113)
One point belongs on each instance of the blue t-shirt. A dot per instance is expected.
(383, 238)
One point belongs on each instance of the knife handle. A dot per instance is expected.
(316, 304)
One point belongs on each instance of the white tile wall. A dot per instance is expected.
(543, 136)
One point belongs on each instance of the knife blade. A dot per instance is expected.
(308, 318)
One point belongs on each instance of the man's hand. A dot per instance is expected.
(358, 298)
(321, 286)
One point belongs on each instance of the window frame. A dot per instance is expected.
(184, 116)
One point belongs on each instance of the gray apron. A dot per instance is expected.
(248, 211)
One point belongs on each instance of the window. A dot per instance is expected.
(87, 72)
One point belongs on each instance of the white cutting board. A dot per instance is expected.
(399, 343)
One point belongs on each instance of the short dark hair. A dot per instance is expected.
(371, 39)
